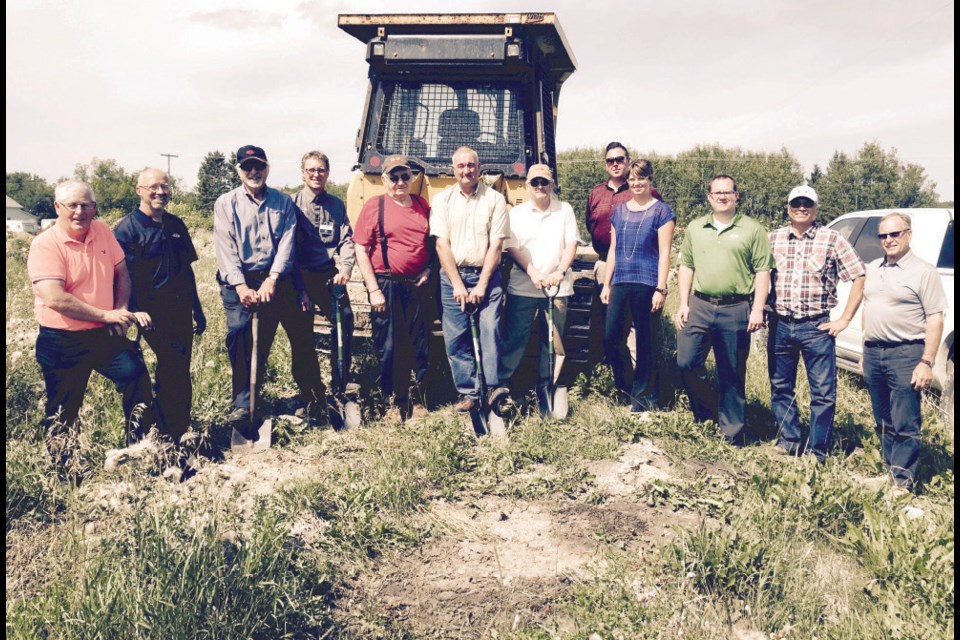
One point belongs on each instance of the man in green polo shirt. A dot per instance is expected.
(726, 258)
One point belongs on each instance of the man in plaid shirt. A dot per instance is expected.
(810, 259)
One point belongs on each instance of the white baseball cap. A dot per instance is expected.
(803, 191)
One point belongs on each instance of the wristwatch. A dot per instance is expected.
(926, 362)
(661, 291)
(274, 276)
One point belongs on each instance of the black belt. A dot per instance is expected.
(396, 277)
(467, 269)
(793, 319)
(889, 344)
(721, 301)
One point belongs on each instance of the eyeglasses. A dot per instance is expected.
(725, 194)
(616, 160)
(399, 177)
(805, 203)
(78, 206)
(539, 182)
(252, 166)
(892, 234)
(164, 188)
(316, 170)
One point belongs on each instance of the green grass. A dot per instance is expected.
(756, 543)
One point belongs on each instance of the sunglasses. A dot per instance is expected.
(399, 177)
(806, 203)
(539, 182)
(616, 160)
(892, 234)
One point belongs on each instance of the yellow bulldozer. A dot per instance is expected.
(441, 81)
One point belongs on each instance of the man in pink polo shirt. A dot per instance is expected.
(82, 286)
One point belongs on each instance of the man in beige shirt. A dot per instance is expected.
(469, 221)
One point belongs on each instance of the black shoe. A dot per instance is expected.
(465, 404)
(499, 401)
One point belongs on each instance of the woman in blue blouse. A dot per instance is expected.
(636, 279)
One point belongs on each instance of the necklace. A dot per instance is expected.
(636, 237)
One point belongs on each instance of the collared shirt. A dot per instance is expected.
(86, 269)
(159, 255)
(248, 236)
(323, 229)
(471, 223)
(726, 263)
(898, 297)
(541, 237)
(808, 268)
(638, 243)
(601, 202)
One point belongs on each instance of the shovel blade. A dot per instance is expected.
(240, 444)
(561, 406)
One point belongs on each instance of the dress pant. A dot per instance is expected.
(724, 328)
(519, 314)
(283, 309)
(172, 342)
(317, 285)
(400, 336)
(67, 358)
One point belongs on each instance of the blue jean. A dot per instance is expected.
(787, 342)
(67, 358)
(723, 327)
(896, 406)
(519, 314)
(458, 339)
(636, 299)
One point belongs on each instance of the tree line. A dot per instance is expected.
(872, 178)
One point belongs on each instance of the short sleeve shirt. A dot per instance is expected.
(898, 297)
(85, 268)
(601, 202)
(541, 237)
(470, 223)
(726, 263)
(407, 230)
(638, 243)
(159, 255)
(808, 268)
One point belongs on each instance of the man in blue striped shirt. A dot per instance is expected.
(254, 230)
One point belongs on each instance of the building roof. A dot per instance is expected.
(11, 203)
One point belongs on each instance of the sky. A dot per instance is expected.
(132, 80)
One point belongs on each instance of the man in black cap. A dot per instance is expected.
(254, 230)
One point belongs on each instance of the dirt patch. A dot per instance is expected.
(503, 563)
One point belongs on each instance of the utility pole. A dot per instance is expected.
(168, 156)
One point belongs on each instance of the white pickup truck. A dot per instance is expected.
(932, 240)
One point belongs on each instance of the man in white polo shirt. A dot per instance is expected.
(543, 244)
(903, 306)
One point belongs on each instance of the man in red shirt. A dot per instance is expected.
(82, 287)
(393, 256)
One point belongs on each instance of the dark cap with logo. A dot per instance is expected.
(250, 152)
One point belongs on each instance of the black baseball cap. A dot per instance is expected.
(250, 152)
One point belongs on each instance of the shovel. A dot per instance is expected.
(344, 411)
(259, 439)
(485, 420)
(555, 403)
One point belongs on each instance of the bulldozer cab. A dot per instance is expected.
(442, 81)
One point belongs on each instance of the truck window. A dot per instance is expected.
(945, 261)
(846, 228)
(867, 244)
(429, 121)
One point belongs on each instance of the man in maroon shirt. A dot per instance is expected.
(601, 202)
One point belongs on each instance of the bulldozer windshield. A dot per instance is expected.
(428, 121)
